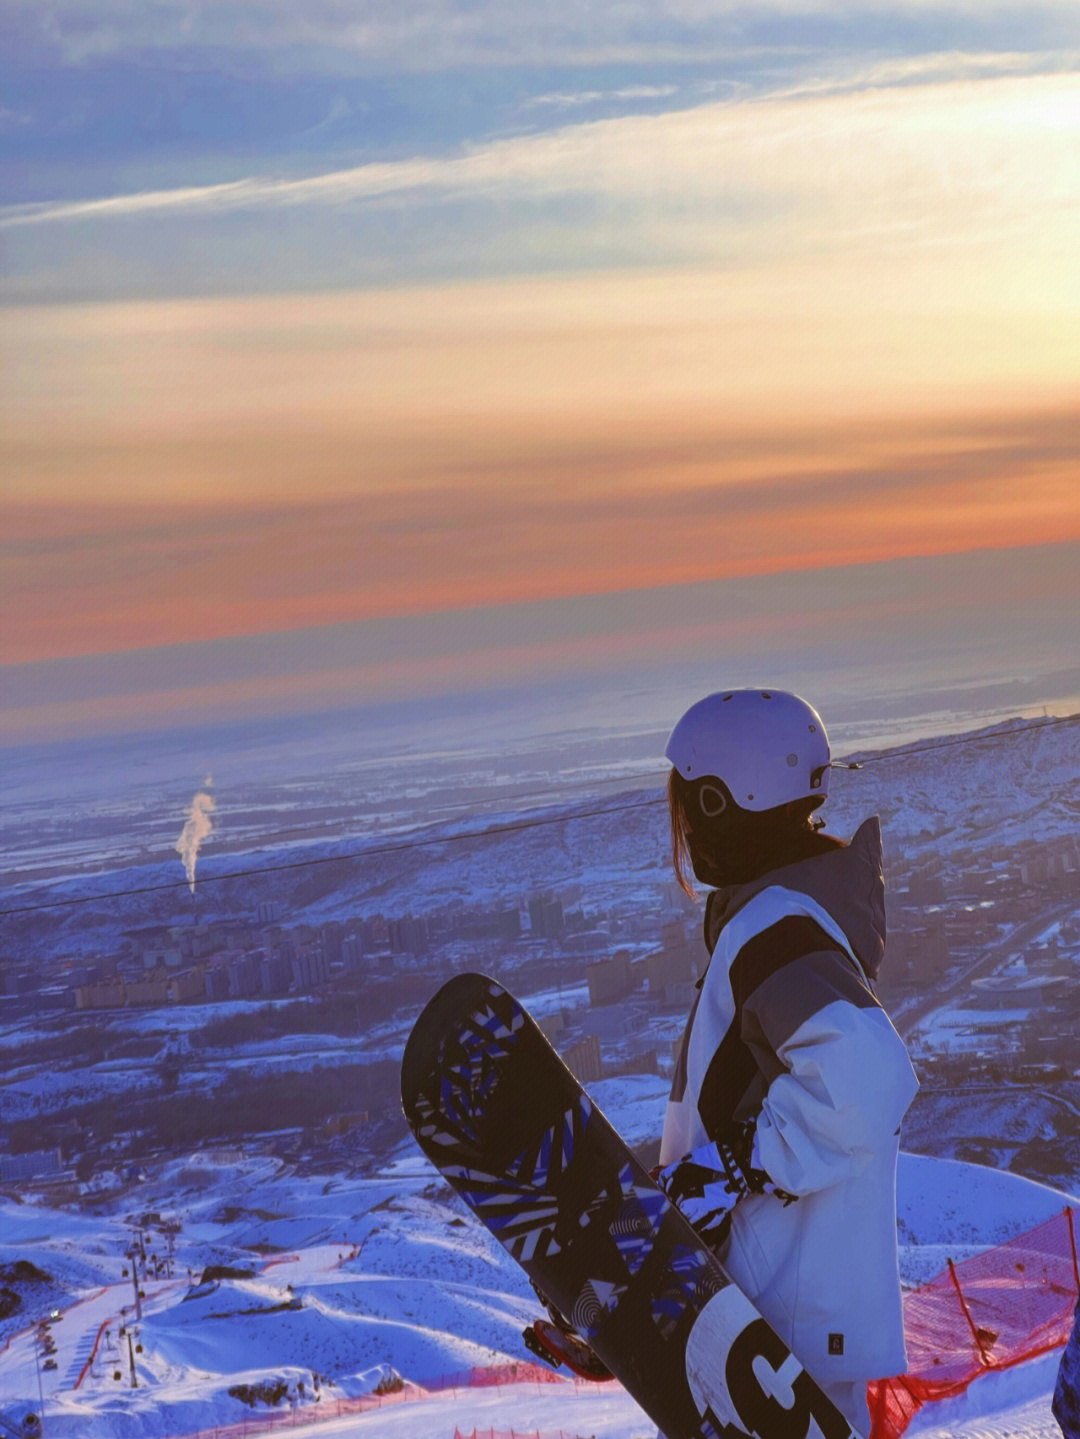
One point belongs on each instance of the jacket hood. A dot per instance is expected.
(847, 881)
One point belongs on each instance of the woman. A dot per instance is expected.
(782, 1131)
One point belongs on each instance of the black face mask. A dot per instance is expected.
(740, 845)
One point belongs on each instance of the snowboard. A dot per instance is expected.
(504, 1121)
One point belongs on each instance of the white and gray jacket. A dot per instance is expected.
(787, 1028)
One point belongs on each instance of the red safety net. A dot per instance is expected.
(992, 1311)
(495, 1375)
(515, 1434)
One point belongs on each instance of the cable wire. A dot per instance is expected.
(514, 826)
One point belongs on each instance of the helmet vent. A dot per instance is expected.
(765, 695)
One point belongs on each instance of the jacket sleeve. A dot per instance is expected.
(841, 1078)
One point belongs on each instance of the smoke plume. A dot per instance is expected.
(197, 826)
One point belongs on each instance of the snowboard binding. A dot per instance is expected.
(557, 1342)
(557, 1346)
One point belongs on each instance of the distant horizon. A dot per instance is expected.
(582, 734)
(987, 702)
(920, 626)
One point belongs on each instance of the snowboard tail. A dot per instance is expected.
(501, 1117)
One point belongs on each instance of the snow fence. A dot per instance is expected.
(996, 1309)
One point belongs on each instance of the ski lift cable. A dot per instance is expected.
(512, 826)
(371, 853)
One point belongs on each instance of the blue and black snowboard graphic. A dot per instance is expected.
(498, 1113)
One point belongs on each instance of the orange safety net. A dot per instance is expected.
(996, 1309)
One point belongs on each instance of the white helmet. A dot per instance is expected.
(768, 746)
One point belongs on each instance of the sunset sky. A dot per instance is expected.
(355, 352)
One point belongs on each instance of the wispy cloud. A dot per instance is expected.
(957, 139)
(14, 119)
(570, 100)
(846, 74)
(431, 34)
(880, 178)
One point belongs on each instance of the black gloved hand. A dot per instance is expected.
(707, 1183)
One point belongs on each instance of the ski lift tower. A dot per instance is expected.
(133, 1256)
(171, 1228)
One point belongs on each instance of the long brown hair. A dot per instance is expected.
(677, 796)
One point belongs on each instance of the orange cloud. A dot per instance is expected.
(95, 578)
(191, 470)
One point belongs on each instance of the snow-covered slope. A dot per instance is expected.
(949, 1210)
(390, 1273)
